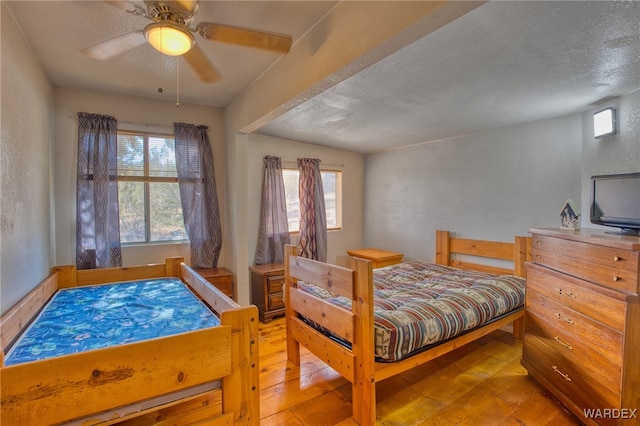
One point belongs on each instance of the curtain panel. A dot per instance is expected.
(274, 226)
(313, 218)
(97, 213)
(198, 194)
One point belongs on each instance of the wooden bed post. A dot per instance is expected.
(293, 347)
(241, 390)
(364, 386)
(173, 266)
(67, 275)
(521, 255)
(442, 248)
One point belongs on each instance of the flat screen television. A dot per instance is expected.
(615, 201)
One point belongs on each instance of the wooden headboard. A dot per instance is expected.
(517, 252)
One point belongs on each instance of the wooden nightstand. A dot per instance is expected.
(220, 277)
(378, 258)
(267, 291)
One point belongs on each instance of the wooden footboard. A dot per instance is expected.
(356, 325)
(83, 385)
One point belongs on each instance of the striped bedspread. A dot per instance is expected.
(418, 304)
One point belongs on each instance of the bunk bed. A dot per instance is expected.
(330, 311)
(208, 375)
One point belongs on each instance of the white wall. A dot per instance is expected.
(26, 205)
(161, 115)
(619, 153)
(492, 185)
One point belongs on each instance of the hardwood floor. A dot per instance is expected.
(481, 383)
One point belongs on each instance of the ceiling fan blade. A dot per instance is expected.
(127, 6)
(245, 37)
(199, 62)
(115, 46)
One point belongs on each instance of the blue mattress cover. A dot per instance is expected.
(84, 318)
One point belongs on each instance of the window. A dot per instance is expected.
(148, 193)
(332, 187)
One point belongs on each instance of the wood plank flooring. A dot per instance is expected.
(481, 383)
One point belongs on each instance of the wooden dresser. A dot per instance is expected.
(267, 290)
(582, 322)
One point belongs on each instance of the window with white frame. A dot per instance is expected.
(148, 192)
(332, 187)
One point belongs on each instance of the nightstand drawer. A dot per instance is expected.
(275, 284)
(221, 278)
(276, 301)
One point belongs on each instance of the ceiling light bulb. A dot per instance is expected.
(169, 38)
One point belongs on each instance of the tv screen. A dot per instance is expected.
(615, 201)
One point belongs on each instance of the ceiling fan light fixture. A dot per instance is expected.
(169, 38)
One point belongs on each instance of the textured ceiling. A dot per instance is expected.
(59, 30)
(504, 63)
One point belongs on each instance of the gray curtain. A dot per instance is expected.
(274, 226)
(198, 195)
(313, 218)
(97, 214)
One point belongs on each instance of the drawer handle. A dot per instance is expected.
(570, 295)
(538, 242)
(616, 278)
(617, 258)
(566, 376)
(568, 321)
(566, 345)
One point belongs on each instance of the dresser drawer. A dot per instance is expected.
(582, 388)
(602, 304)
(609, 266)
(584, 358)
(576, 326)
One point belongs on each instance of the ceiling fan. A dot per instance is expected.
(171, 34)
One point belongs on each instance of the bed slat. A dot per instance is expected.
(70, 277)
(335, 279)
(96, 381)
(460, 264)
(334, 354)
(490, 249)
(330, 316)
(19, 316)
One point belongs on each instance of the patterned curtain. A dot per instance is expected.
(313, 218)
(274, 226)
(97, 214)
(198, 195)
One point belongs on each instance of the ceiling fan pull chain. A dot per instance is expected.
(160, 89)
(177, 84)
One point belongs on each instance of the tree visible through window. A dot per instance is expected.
(332, 187)
(148, 193)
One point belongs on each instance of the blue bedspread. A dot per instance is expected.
(84, 318)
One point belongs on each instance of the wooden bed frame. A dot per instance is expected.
(358, 364)
(147, 382)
